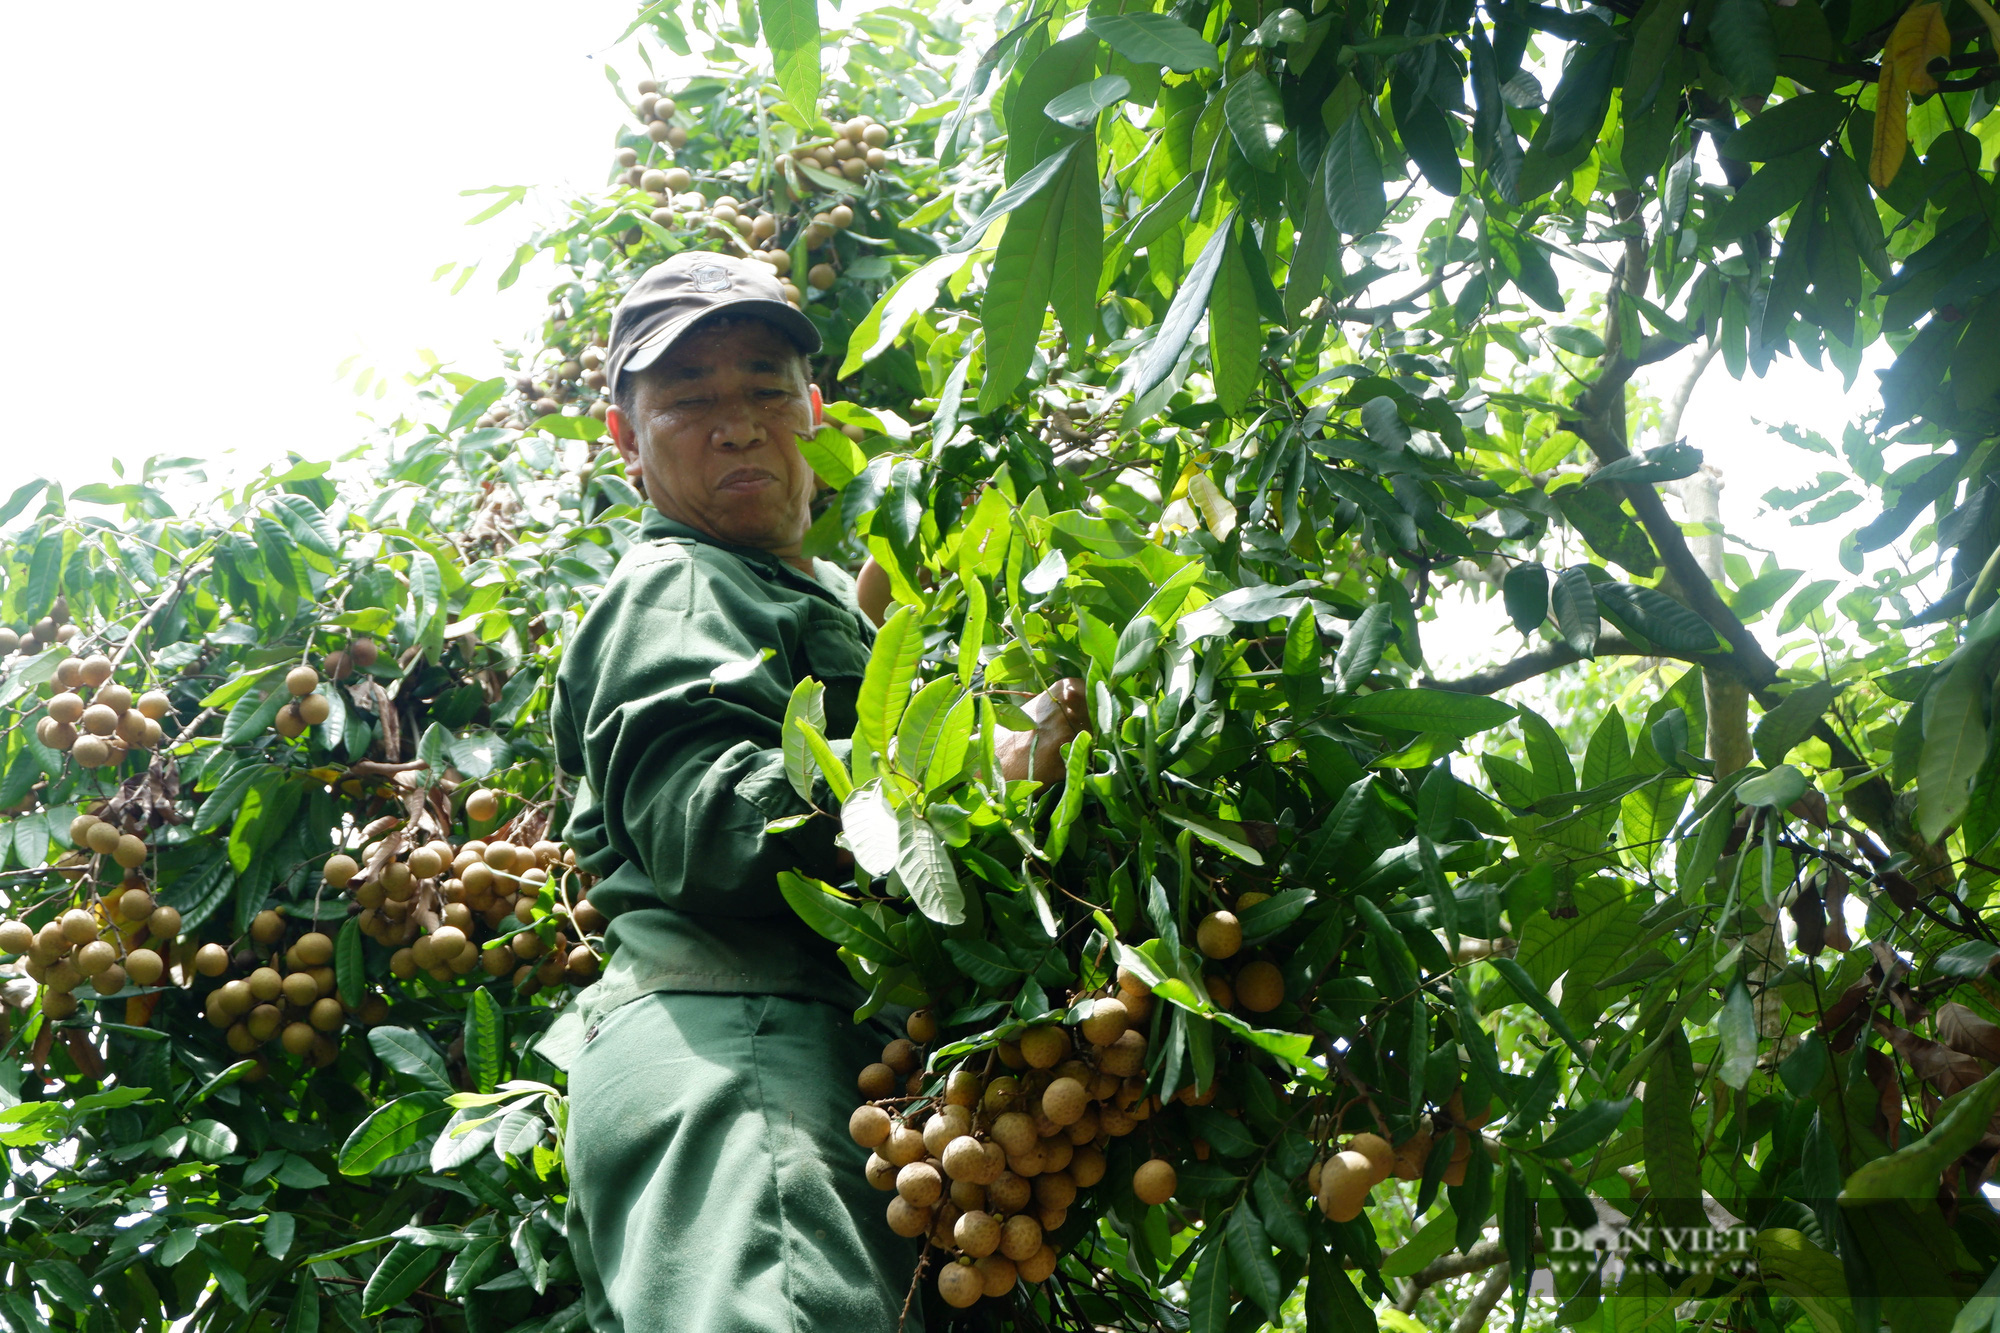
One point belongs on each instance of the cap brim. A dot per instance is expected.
(789, 319)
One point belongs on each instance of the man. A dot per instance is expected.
(715, 1189)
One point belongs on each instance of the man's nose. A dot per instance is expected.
(736, 426)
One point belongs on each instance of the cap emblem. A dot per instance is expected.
(709, 278)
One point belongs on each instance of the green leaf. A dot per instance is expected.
(1250, 1258)
(1216, 833)
(584, 427)
(410, 1053)
(1030, 268)
(350, 978)
(1656, 617)
(1184, 312)
(885, 686)
(808, 704)
(791, 30)
(1802, 122)
(1081, 105)
(1954, 723)
(1154, 39)
(303, 1314)
(1743, 47)
(1361, 651)
(834, 917)
(392, 1130)
(1776, 789)
(1577, 106)
(1353, 171)
(476, 400)
(1737, 1025)
(1235, 333)
(1525, 591)
(1584, 1129)
(1524, 986)
(909, 296)
(1912, 1171)
(924, 867)
(1779, 730)
(279, 1229)
(485, 1040)
(830, 766)
(1666, 1127)
(1256, 119)
(1208, 1290)
(1430, 711)
(1574, 599)
(210, 1139)
(1775, 190)
(402, 1270)
(471, 1265)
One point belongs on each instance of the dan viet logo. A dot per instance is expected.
(1610, 1249)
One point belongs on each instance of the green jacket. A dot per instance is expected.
(669, 708)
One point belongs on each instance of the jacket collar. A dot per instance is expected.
(657, 526)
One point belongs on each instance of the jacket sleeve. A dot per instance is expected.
(675, 696)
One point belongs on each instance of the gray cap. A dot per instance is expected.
(676, 294)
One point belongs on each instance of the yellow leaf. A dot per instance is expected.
(1920, 37)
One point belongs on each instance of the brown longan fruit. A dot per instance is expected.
(1020, 1237)
(1125, 1057)
(1008, 1193)
(921, 1026)
(841, 216)
(144, 967)
(92, 752)
(211, 960)
(266, 984)
(1064, 1100)
(16, 937)
(1344, 1180)
(964, 1159)
(960, 1284)
(820, 277)
(869, 1126)
(1219, 935)
(1044, 1047)
(314, 709)
(264, 1021)
(877, 1081)
(300, 990)
(240, 1039)
(67, 708)
(115, 697)
(135, 905)
(920, 1183)
(907, 1220)
(996, 1274)
(301, 681)
(78, 926)
(327, 1015)
(1039, 1266)
(962, 1088)
(900, 1055)
(1014, 1131)
(297, 1038)
(94, 957)
(881, 1172)
(154, 705)
(102, 838)
(340, 870)
(314, 949)
(482, 806)
(267, 927)
(99, 720)
(130, 852)
(582, 963)
(1260, 987)
(290, 722)
(58, 1004)
(1055, 1190)
(1155, 1181)
(1107, 1022)
(977, 1233)
(1381, 1157)
(904, 1144)
(164, 923)
(1086, 1166)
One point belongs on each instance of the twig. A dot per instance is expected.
(159, 604)
(1474, 1317)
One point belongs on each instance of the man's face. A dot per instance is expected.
(713, 436)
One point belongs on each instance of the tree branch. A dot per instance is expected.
(1554, 656)
(1481, 1305)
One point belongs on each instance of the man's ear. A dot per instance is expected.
(619, 426)
(819, 406)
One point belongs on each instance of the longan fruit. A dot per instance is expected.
(1344, 1180)
(841, 216)
(314, 709)
(1086, 1166)
(264, 1021)
(66, 707)
(115, 697)
(58, 1004)
(154, 704)
(16, 937)
(904, 1144)
(102, 838)
(449, 942)
(94, 670)
(144, 967)
(240, 1039)
(920, 1183)
(900, 1055)
(1020, 1237)
(1039, 1266)
(314, 949)
(946, 1125)
(297, 1038)
(964, 1158)
(135, 905)
(881, 1172)
(99, 720)
(1043, 1047)
(1381, 1157)
(1125, 1057)
(267, 927)
(1155, 1181)
(869, 1126)
(78, 926)
(1219, 935)
(1064, 1100)
(997, 1274)
(301, 681)
(582, 963)
(1260, 987)
(266, 984)
(95, 956)
(340, 870)
(131, 851)
(921, 1026)
(907, 1220)
(962, 1088)
(327, 1015)
(211, 960)
(875, 136)
(1015, 1132)
(820, 277)
(300, 990)
(290, 722)
(482, 806)
(164, 923)
(1107, 1022)
(960, 1285)
(977, 1233)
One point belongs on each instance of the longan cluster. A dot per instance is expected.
(306, 709)
(120, 939)
(986, 1168)
(288, 995)
(1256, 986)
(433, 906)
(94, 719)
(859, 148)
(55, 627)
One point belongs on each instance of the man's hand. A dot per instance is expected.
(1059, 714)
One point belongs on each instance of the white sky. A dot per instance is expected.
(191, 246)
